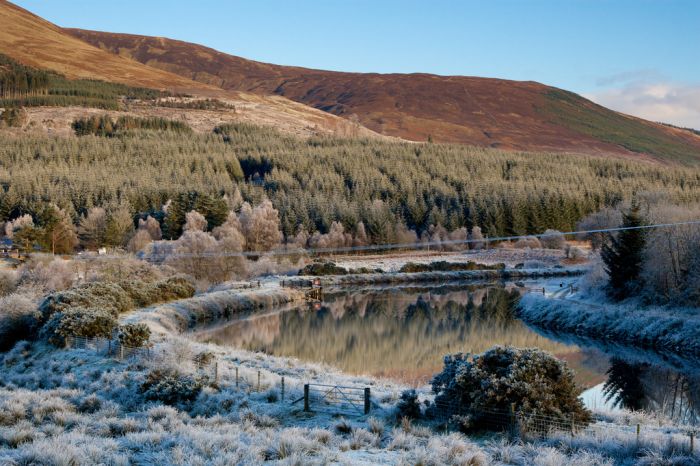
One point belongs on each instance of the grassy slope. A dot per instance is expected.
(578, 114)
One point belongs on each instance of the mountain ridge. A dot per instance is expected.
(488, 112)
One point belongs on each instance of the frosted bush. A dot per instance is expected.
(530, 242)
(531, 380)
(134, 335)
(19, 319)
(553, 239)
(79, 322)
(170, 387)
(8, 281)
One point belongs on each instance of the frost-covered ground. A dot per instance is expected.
(672, 329)
(75, 406)
(392, 262)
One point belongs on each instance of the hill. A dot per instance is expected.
(468, 110)
(37, 43)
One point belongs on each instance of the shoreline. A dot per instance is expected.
(667, 330)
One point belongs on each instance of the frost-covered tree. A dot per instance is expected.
(600, 220)
(194, 221)
(553, 239)
(20, 222)
(260, 226)
(476, 238)
(623, 255)
(152, 226)
(119, 226)
(92, 228)
(139, 241)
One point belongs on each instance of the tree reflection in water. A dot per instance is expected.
(648, 387)
(401, 334)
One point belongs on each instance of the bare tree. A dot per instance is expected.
(194, 221)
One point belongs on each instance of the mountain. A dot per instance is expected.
(468, 110)
(35, 42)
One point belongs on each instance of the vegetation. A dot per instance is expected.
(623, 256)
(327, 192)
(106, 127)
(134, 335)
(444, 266)
(170, 387)
(26, 86)
(531, 380)
(574, 112)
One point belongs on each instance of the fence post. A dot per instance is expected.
(258, 380)
(573, 426)
(367, 402)
(692, 442)
(121, 352)
(638, 429)
(306, 398)
(216, 371)
(282, 389)
(236, 376)
(513, 421)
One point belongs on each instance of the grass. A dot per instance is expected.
(576, 113)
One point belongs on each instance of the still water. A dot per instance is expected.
(403, 334)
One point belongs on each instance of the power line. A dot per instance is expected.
(389, 246)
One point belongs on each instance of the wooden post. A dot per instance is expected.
(573, 426)
(367, 402)
(236, 376)
(543, 291)
(258, 380)
(216, 371)
(638, 429)
(306, 398)
(282, 389)
(121, 352)
(692, 442)
(513, 421)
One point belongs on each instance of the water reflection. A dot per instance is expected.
(653, 388)
(400, 334)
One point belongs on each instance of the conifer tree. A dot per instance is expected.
(623, 255)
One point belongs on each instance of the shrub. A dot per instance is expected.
(80, 322)
(8, 282)
(408, 407)
(134, 335)
(532, 380)
(204, 358)
(19, 320)
(323, 268)
(170, 387)
(444, 266)
(553, 239)
(107, 296)
(528, 242)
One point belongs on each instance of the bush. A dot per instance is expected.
(408, 406)
(553, 239)
(170, 387)
(532, 380)
(444, 266)
(323, 268)
(106, 296)
(134, 335)
(79, 322)
(528, 242)
(19, 320)
(8, 282)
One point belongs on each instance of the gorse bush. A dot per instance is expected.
(134, 335)
(79, 322)
(170, 387)
(531, 380)
(19, 319)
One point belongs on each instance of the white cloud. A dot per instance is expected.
(649, 96)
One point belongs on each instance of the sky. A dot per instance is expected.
(636, 56)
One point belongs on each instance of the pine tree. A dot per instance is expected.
(622, 255)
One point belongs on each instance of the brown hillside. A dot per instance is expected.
(479, 111)
(36, 42)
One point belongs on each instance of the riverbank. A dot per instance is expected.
(668, 329)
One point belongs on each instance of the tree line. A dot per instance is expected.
(377, 191)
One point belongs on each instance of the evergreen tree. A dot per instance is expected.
(623, 255)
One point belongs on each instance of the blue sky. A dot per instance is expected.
(637, 56)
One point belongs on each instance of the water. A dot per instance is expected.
(403, 334)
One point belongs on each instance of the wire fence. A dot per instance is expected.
(529, 426)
